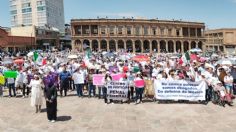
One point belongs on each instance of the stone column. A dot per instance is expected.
(133, 46)
(189, 45)
(108, 46)
(99, 45)
(81, 30)
(158, 48)
(195, 32)
(150, 45)
(116, 44)
(142, 46)
(125, 46)
(182, 47)
(90, 44)
(174, 43)
(167, 50)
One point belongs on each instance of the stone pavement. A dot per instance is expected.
(92, 115)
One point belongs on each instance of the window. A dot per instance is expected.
(170, 32)
(162, 31)
(13, 12)
(111, 30)
(185, 31)
(103, 30)
(41, 8)
(177, 32)
(137, 30)
(153, 31)
(120, 28)
(26, 10)
(145, 30)
(26, 5)
(129, 30)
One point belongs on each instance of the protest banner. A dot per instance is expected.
(116, 77)
(180, 90)
(2, 80)
(117, 90)
(10, 74)
(98, 79)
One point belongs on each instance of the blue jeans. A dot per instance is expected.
(79, 88)
(12, 87)
(139, 93)
(92, 88)
(99, 91)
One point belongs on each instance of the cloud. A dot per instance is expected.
(119, 14)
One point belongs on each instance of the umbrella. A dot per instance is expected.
(30, 54)
(193, 57)
(124, 57)
(226, 62)
(72, 57)
(109, 54)
(6, 62)
(19, 61)
(196, 50)
(174, 57)
(140, 58)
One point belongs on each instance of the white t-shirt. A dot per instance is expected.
(227, 79)
(10, 80)
(78, 78)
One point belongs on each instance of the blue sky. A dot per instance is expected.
(215, 13)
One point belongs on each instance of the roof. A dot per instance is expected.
(136, 20)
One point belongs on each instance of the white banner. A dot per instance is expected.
(117, 90)
(180, 90)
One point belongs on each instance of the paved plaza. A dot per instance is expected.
(92, 115)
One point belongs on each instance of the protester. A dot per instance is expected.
(64, 78)
(139, 87)
(36, 93)
(78, 78)
(50, 93)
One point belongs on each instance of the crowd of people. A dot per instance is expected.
(62, 73)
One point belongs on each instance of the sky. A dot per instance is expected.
(214, 13)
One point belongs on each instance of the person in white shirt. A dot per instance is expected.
(228, 80)
(78, 78)
(11, 86)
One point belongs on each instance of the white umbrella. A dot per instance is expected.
(226, 62)
(174, 57)
(196, 50)
(30, 54)
(72, 57)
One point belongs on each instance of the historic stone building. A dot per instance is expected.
(223, 40)
(137, 35)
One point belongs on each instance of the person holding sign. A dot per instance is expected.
(108, 79)
(139, 87)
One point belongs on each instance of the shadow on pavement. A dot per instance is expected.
(64, 118)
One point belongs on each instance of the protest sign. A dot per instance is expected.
(180, 90)
(116, 77)
(113, 68)
(117, 90)
(10, 74)
(2, 80)
(98, 79)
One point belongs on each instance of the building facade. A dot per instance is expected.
(137, 35)
(49, 13)
(223, 40)
(15, 43)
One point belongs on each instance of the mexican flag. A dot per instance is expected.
(38, 59)
(36, 55)
(186, 57)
